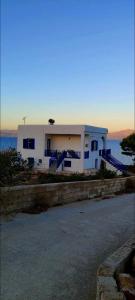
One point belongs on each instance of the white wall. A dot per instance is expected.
(36, 133)
(93, 155)
(59, 142)
(76, 165)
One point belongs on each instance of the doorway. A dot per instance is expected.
(96, 163)
(48, 144)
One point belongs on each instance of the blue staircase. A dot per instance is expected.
(61, 158)
(57, 158)
(53, 158)
(106, 154)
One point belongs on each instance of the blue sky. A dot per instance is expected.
(71, 60)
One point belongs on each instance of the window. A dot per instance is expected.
(31, 161)
(28, 143)
(67, 163)
(40, 161)
(94, 145)
(86, 154)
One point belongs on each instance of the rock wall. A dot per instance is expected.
(18, 197)
(107, 288)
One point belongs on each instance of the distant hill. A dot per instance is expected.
(118, 135)
(8, 133)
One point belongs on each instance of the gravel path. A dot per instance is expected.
(55, 255)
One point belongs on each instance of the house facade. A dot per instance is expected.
(69, 148)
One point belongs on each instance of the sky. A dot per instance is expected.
(70, 60)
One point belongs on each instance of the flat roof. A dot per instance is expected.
(65, 128)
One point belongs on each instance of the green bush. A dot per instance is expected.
(55, 178)
(105, 174)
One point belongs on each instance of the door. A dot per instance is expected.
(48, 144)
(96, 163)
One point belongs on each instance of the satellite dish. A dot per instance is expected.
(51, 121)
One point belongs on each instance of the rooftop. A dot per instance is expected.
(65, 128)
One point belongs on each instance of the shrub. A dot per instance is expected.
(11, 164)
(105, 174)
(55, 178)
(129, 186)
(131, 168)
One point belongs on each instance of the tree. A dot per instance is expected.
(128, 145)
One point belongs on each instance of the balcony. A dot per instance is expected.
(57, 153)
(50, 153)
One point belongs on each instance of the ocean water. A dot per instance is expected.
(8, 142)
(114, 145)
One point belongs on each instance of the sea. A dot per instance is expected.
(114, 145)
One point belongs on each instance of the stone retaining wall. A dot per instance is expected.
(107, 288)
(18, 197)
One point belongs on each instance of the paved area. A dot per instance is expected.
(55, 255)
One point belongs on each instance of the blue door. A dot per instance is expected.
(96, 163)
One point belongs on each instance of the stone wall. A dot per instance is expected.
(107, 288)
(18, 197)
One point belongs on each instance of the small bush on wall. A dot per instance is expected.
(129, 186)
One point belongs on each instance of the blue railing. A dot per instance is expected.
(69, 153)
(50, 152)
(73, 154)
(106, 154)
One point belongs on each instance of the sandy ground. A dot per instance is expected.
(55, 254)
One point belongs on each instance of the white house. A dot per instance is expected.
(70, 148)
